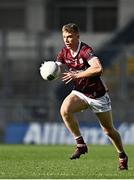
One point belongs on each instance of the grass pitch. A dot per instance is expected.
(52, 162)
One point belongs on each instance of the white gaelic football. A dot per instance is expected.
(50, 70)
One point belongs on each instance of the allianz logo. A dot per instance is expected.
(56, 133)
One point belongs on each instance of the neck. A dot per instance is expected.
(74, 49)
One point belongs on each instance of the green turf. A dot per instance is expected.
(49, 162)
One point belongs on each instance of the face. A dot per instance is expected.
(71, 40)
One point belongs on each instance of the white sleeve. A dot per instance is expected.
(89, 61)
(59, 63)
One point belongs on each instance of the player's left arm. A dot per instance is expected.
(95, 69)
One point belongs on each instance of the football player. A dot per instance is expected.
(89, 91)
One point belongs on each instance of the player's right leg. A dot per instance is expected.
(70, 105)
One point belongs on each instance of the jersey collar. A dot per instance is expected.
(74, 54)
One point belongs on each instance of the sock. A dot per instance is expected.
(80, 140)
(122, 155)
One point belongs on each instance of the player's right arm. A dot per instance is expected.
(60, 59)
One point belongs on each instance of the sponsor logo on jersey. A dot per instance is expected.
(68, 61)
(81, 61)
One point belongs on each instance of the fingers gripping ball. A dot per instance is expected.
(50, 70)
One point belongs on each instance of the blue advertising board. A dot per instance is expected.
(56, 133)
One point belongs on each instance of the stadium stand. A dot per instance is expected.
(110, 50)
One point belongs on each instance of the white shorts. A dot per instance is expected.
(97, 105)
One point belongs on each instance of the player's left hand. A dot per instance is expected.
(69, 76)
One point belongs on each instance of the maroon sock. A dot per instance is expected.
(122, 155)
(80, 140)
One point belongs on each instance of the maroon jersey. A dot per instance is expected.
(90, 86)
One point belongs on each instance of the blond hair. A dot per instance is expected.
(71, 28)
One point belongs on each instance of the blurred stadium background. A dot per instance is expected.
(29, 34)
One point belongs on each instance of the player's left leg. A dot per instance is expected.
(106, 122)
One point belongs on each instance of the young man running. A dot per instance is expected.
(89, 91)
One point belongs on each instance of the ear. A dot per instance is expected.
(78, 35)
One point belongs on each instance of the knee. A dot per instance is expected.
(109, 131)
(64, 111)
